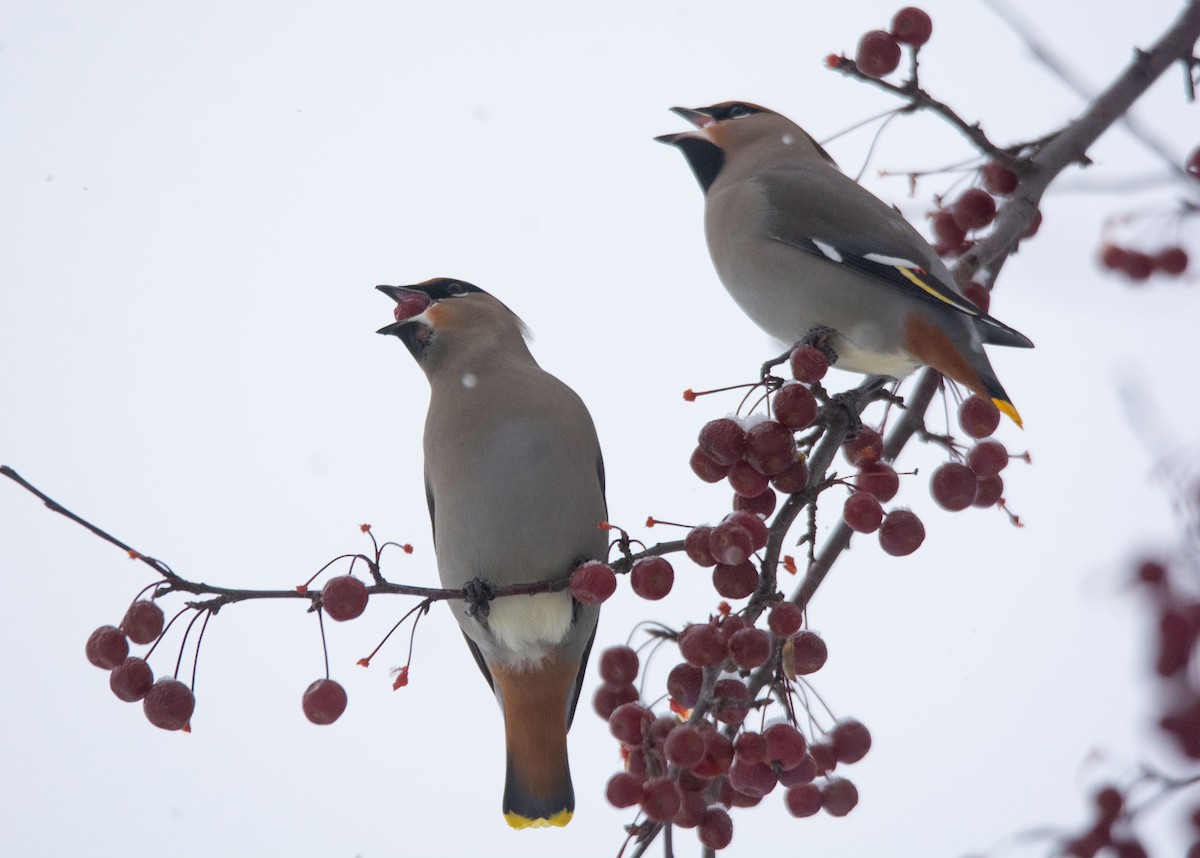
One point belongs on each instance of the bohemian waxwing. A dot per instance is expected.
(515, 486)
(800, 245)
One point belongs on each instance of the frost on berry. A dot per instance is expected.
(143, 622)
(324, 701)
(901, 532)
(169, 704)
(652, 577)
(344, 598)
(878, 53)
(131, 680)
(912, 26)
(107, 647)
(593, 582)
(618, 665)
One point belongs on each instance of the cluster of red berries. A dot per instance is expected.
(343, 598)
(1137, 266)
(1108, 830)
(692, 771)
(167, 702)
(878, 53)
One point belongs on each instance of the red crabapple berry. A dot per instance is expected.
(794, 478)
(750, 648)
(879, 480)
(823, 757)
(746, 481)
(593, 582)
(851, 740)
(755, 525)
(988, 490)
(901, 532)
(735, 581)
(975, 209)
(785, 619)
(978, 295)
(723, 439)
(795, 406)
(987, 458)
(1034, 225)
(609, 696)
(761, 505)
(999, 179)
(730, 543)
(862, 512)
(324, 701)
(866, 447)
(143, 622)
(107, 647)
(750, 747)
(810, 652)
(803, 800)
(684, 746)
(878, 54)
(801, 773)
(716, 829)
(629, 722)
(652, 578)
(1136, 265)
(706, 467)
(809, 364)
(618, 665)
(169, 704)
(839, 796)
(1112, 257)
(953, 486)
(692, 808)
(411, 304)
(718, 755)
(978, 416)
(1172, 261)
(131, 680)
(786, 746)
(344, 598)
(695, 545)
(946, 230)
(683, 684)
(912, 26)
(623, 790)
(660, 799)
(752, 779)
(770, 447)
(733, 700)
(701, 645)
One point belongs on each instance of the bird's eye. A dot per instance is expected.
(738, 112)
(455, 289)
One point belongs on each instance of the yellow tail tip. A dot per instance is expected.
(558, 820)
(1007, 408)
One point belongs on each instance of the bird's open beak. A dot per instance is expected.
(410, 303)
(697, 117)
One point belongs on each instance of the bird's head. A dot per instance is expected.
(444, 316)
(727, 131)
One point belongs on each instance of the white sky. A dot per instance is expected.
(195, 204)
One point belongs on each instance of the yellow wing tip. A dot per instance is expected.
(558, 820)
(1007, 408)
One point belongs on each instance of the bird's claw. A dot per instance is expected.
(478, 593)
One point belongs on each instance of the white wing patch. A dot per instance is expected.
(829, 250)
(891, 260)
